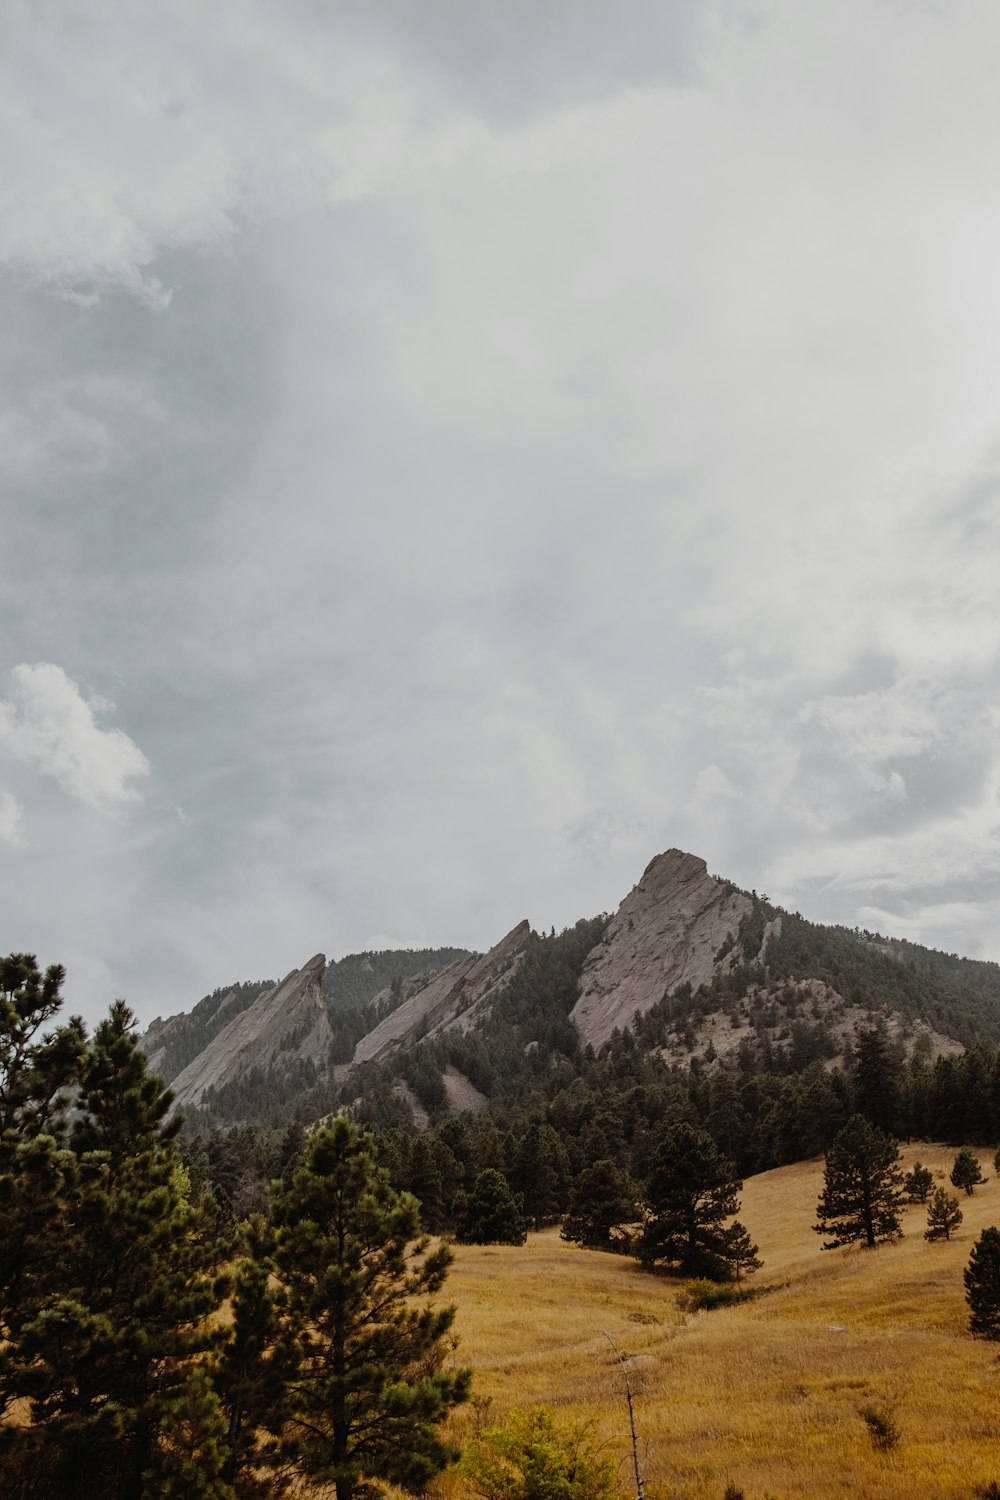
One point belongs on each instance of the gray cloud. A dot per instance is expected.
(475, 455)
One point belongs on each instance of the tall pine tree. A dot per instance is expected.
(862, 1187)
(369, 1390)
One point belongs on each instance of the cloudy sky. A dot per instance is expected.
(452, 452)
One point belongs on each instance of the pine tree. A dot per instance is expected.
(691, 1193)
(966, 1171)
(862, 1191)
(877, 1077)
(102, 1327)
(982, 1285)
(540, 1173)
(492, 1214)
(943, 1216)
(368, 1391)
(918, 1183)
(603, 1200)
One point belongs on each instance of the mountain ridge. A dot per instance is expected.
(694, 970)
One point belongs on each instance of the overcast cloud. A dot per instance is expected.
(451, 453)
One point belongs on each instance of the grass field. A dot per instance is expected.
(766, 1396)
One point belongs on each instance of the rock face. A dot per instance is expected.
(286, 1022)
(666, 932)
(455, 997)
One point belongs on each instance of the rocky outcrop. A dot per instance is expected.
(668, 931)
(455, 997)
(287, 1022)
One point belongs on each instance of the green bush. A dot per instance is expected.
(703, 1294)
(531, 1458)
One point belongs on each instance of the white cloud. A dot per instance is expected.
(171, 129)
(911, 716)
(10, 820)
(47, 723)
(713, 785)
(72, 427)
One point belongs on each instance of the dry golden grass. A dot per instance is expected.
(766, 1396)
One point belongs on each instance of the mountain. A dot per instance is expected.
(668, 932)
(691, 972)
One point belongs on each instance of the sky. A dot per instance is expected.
(451, 453)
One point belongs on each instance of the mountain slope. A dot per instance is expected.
(291, 1017)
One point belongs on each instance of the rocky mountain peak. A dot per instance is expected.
(290, 1016)
(666, 932)
(454, 997)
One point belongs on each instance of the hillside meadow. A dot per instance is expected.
(766, 1396)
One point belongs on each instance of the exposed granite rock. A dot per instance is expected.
(666, 932)
(455, 997)
(461, 1093)
(286, 1022)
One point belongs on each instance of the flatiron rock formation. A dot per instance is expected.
(666, 932)
(287, 1021)
(455, 997)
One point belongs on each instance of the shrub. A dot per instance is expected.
(703, 1294)
(882, 1428)
(532, 1458)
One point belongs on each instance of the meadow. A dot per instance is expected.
(766, 1396)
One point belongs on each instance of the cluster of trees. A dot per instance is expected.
(863, 1192)
(119, 1374)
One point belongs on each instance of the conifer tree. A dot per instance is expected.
(602, 1201)
(862, 1189)
(966, 1172)
(692, 1191)
(492, 1214)
(540, 1173)
(943, 1216)
(104, 1308)
(918, 1183)
(982, 1285)
(368, 1390)
(877, 1077)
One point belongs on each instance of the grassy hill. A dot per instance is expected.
(766, 1396)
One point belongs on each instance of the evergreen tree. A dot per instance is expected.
(691, 1193)
(943, 1216)
(368, 1390)
(966, 1171)
(877, 1078)
(918, 1183)
(492, 1214)
(540, 1173)
(862, 1189)
(982, 1285)
(603, 1200)
(102, 1330)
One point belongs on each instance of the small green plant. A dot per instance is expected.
(532, 1458)
(702, 1294)
(996, 1163)
(882, 1427)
